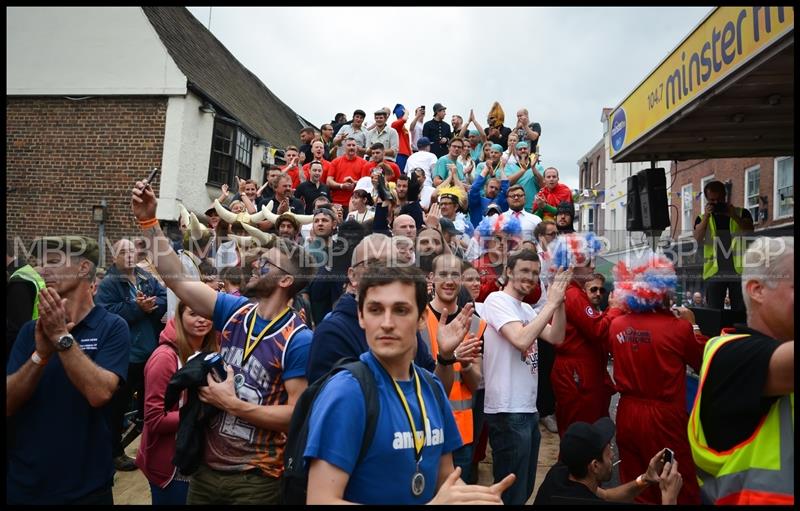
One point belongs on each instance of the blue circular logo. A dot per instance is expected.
(618, 130)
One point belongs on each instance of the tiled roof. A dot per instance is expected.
(214, 72)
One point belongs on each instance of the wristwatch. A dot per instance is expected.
(64, 342)
(445, 361)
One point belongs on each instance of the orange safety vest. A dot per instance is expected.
(460, 396)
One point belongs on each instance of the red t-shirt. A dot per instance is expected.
(651, 351)
(402, 134)
(326, 165)
(341, 168)
(371, 165)
(553, 198)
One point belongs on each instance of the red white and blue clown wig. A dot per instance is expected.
(642, 284)
(574, 249)
(504, 223)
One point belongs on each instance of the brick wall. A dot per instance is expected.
(63, 156)
(724, 169)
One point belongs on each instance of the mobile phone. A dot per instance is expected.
(153, 174)
(215, 365)
(668, 455)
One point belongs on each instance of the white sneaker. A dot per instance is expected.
(550, 423)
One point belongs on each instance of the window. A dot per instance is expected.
(597, 167)
(784, 187)
(590, 219)
(752, 178)
(687, 219)
(231, 154)
(703, 182)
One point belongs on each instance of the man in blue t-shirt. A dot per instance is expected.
(61, 374)
(410, 459)
(265, 348)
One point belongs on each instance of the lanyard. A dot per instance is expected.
(248, 348)
(419, 443)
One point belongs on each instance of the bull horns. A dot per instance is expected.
(197, 229)
(273, 218)
(183, 218)
(243, 217)
(264, 238)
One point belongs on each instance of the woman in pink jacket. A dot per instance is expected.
(184, 334)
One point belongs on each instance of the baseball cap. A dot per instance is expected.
(82, 246)
(438, 106)
(423, 142)
(584, 442)
(473, 133)
(448, 226)
(493, 208)
(399, 110)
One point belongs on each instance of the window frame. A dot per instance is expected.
(240, 156)
(687, 224)
(775, 197)
(747, 195)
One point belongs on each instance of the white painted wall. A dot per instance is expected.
(87, 51)
(187, 152)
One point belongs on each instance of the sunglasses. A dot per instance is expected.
(595, 289)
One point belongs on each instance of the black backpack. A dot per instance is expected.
(295, 475)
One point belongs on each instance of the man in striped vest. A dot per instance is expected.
(446, 276)
(741, 429)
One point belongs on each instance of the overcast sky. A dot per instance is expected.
(563, 64)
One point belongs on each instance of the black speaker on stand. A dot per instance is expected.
(633, 212)
(652, 185)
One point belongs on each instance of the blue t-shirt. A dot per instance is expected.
(441, 168)
(61, 449)
(336, 430)
(296, 357)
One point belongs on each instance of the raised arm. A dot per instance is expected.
(198, 296)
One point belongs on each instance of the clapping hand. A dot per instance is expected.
(556, 291)
(52, 322)
(453, 333)
(469, 350)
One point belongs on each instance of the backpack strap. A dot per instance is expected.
(363, 374)
(428, 377)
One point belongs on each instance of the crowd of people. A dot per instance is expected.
(440, 257)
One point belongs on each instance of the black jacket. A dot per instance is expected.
(194, 415)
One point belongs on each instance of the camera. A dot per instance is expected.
(215, 365)
(720, 208)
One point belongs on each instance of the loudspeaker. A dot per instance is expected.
(652, 184)
(633, 212)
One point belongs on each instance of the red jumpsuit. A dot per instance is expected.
(581, 383)
(651, 351)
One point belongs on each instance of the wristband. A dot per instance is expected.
(38, 360)
(641, 482)
(146, 224)
(445, 361)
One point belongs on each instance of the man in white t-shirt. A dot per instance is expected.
(423, 159)
(510, 369)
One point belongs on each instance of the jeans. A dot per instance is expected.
(173, 495)
(515, 439)
(545, 397)
(462, 457)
